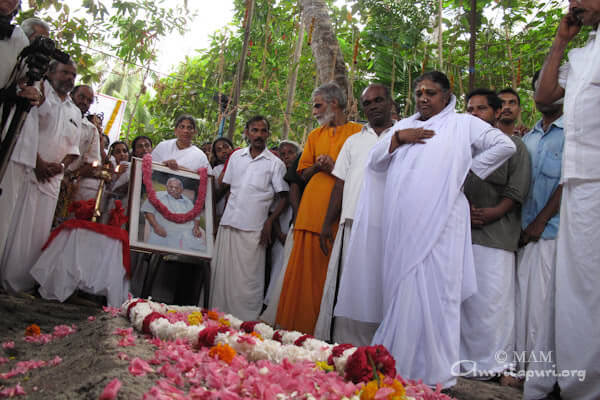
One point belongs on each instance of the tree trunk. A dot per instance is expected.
(240, 70)
(472, 42)
(325, 48)
(292, 81)
(440, 35)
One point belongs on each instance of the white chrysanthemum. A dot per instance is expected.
(160, 328)
(294, 353)
(234, 322)
(138, 313)
(290, 337)
(192, 331)
(340, 362)
(264, 330)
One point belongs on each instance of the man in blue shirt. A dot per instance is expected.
(537, 259)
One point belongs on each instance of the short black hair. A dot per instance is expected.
(184, 117)
(511, 91)
(257, 118)
(491, 96)
(214, 145)
(115, 143)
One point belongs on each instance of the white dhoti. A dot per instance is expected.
(535, 317)
(270, 312)
(488, 317)
(84, 260)
(29, 229)
(278, 252)
(577, 291)
(14, 192)
(238, 273)
(345, 330)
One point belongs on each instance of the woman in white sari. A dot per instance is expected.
(410, 263)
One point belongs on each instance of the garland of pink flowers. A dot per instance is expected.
(178, 218)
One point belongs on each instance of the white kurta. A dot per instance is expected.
(488, 317)
(89, 150)
(412, 227)
(59, 124)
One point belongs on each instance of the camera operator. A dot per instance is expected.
(58, 128)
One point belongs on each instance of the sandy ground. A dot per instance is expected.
(89, 356)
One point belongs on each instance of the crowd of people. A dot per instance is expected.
(464, 243)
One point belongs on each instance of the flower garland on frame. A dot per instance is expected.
(165, 212)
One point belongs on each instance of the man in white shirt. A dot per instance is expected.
(89, 146)
(255, 176)
(59, 132)
(577, 304)
(348, 172)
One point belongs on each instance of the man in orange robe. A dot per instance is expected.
(302, 289)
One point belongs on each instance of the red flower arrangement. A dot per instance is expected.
(364, 364)
(300, 341)
(337, 351)
(117, 215)
(83, 209)
(149, 319)
(206, 337)
(248, 326)
(178, 218)
(277, 337)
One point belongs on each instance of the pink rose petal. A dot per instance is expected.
(139, 367)
(111, 390)
(8, 345)
(91, 318)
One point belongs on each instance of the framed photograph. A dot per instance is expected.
(163, 221)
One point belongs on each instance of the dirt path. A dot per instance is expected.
(90, 355)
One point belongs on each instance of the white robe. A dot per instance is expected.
(412, 228)
(277, 252)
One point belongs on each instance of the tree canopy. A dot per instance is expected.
(387, 41)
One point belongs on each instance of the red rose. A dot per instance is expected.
(337, 351)
(206, 337)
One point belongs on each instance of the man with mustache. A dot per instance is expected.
(349, 172)
(59, 130)
(488, 317)
(509, 112)
(306, 271)
(255, 178)
(577, 305)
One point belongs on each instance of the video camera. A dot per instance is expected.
(38, 55)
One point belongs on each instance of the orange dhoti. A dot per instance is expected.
(302, 288)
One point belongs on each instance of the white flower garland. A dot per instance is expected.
(312, 350)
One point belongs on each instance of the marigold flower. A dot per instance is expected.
(223, 352)
(214, 316)
(224, 322)
(257, 335)
(324, 366)
(195, 318)
(33, 330)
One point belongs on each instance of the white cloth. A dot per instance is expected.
(10, 50)
(487, 325)
(577, 304)
(277, 253)
(59, 134)
(253, 185)
(351, 164)
(14, 188)
(581, 79)
(191, 157)
(238, 273)
(89, 145)
(345, 330)
(270, 312)
(26, 148)
(29, 230)
(84, 260)
(179, 236)
(536, 270)
(412, 227)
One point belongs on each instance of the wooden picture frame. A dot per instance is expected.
(174, 238)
